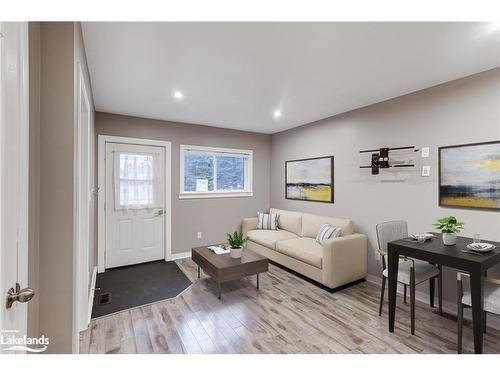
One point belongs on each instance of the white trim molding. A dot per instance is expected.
(101, 173)
(91, 293)
(248, 173)
(82, 176)
(197, 195)
(176, 256)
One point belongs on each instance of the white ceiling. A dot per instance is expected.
(235, 75)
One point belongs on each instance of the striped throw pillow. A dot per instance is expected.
(328, 231)
(267, 221)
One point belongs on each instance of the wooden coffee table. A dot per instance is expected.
(224, 268)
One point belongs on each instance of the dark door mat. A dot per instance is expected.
(131, 286)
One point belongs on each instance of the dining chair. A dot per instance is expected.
(411, 272)
(491, 302)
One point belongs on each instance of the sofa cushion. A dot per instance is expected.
(304, 249)
(268, 238)
(491, 298)
(267, 221)
(289, 220)
(327, 231)
(312, 223)
(423, 271)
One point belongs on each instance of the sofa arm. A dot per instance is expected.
(249, 224)
(345, 259)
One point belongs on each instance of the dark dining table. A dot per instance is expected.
(434, 251)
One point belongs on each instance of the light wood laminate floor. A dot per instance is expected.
(286, 315)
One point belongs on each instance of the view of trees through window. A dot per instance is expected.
(213, 172)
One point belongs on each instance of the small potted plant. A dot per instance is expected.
(236, 242)
(449, 227)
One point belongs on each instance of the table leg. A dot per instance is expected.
(432, 288)
(257, 281)
(198, 272)
(440, 290)
(485, 314)
(219, 289)
(392, 263)
(477, 294)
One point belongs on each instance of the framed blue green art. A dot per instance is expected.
(469, 175)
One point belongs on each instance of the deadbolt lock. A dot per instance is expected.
(19, 295)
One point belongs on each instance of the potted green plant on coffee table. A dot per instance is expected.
(236, 242)
(449, 227)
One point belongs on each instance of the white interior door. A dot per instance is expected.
(135, 204)
(14, 148)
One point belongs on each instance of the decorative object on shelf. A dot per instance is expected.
(381, 159)
(236, 241)
(449, 227)
(375, 163)
(469, 175)
(309, 179)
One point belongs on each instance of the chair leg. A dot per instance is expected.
(412, 299)
(404, 300)
(382, 296)
(440, 290)
(432, 289)
(460, 326)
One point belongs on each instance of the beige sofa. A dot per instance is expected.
(336, 262)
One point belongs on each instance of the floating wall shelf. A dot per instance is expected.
(381, 158)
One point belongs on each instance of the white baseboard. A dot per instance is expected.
(448, 307)
(91, 294)
(176, 256)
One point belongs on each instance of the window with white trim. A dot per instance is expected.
(209, 172)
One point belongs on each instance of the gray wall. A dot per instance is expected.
(213, 217)
(56, 185)
(55, 50)
(462, 111)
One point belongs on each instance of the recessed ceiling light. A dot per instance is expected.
(277, 113)
(178, 95)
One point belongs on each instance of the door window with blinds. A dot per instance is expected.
(137, 180)
(208, 172)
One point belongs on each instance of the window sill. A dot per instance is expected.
(215, 195)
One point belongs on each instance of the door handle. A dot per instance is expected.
(19, 295)
(160, 212)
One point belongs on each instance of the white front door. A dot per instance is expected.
(135, 204)
(14, 148)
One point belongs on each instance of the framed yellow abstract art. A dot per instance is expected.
(469, 175)
(309, 179)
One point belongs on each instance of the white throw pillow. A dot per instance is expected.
(267, 221)
(328, 231)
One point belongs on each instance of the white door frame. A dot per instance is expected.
(101, 183)
(82, 198)
(23, 179)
